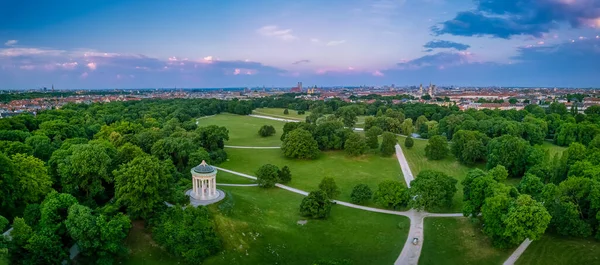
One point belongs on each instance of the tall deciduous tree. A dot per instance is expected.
(361, 193)
(388, 144)
(436, 148)
(143, 184)
(372, 135)
(300, 144)
(329, 186)
(355, 145)
(469, 147)
(42, 146)
(32, 177)
(432, 190)
(391, 194)
(510, 152)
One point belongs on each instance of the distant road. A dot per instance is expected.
(252, 147)
(272, 118)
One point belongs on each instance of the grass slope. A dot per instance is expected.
(561, 251)
(418, 162)
(262, 228)
(243, 130)
(457, 241)
(278, 113)
(306, 174)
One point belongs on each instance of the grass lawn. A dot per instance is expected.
(243, 130)
(306, 174)
(225, 177)
(559, 250)
(262, 229)
(553, 148)
(3, 261)
(143, 250)
(278, 113)
(457, 241)
(418, 162)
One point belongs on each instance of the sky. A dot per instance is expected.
(96, 44)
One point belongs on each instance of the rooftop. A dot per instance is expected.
(204, 168)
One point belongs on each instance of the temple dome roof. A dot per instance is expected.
(204, 168)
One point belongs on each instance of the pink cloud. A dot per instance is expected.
(378, 73)
(84, 75)
(92, 66)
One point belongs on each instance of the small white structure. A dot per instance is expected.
(204, 182)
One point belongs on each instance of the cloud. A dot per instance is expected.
(439, 60)
(378, 73)
(336, 42)
(315, 40)
(92, 66)
(11, 42)
(276, 32)
(434, 44)
(505, 19)
(301, 62)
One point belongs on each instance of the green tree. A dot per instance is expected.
(266, 130)
(286, 111)
(267, 176)
(348, 114)
(42, 146)
(99, 237)
(477, 186)
(54, 211)
(3, 223)
(432, 190)
(86, 171)
(361, 193)
(407, 126)
(409, 142)
(388, 144)
(436, 148)
(372, 137)
(284, 174)
(510, 152)
(32, 177)
(143, 185)
(300, 144)
(355, 145)
(469, 147)
(391, 194)
(315, 205)
(127, 152)
(187, 233)
(531, 185)
(498, 173)
(328, 186)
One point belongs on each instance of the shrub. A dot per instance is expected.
(409, 142)
(267, 175)
(266, 130)
(315, 205)
(355, 145)
(361, 193)
(391, 194)
(284, 174)
(329, 187)
(388, 144)
(286, 112)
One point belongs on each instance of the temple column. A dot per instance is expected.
(202, 189)
(214, 186)
(194, 190)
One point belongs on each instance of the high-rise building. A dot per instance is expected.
(420, 90)
(300, 85)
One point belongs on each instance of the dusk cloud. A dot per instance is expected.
(434, 44)
(11, 42)
(276, 32)
(504, 19)
(440, 60)
(301, 62)
(336, 42)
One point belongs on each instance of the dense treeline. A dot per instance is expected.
(81, 173)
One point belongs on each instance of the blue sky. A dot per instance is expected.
(212, 43)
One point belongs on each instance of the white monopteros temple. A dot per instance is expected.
(204, 179)
(204, 185)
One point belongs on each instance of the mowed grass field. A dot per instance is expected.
(348, 172)
(558, 250)
(278, 113)
(262, 228)
(456, 241)
(243, 130)
(554, 149)
(418, 162)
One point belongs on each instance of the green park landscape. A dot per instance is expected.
(456, 199)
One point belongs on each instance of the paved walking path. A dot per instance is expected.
(253, 147)
(272, 118)
(515, 255)
(408, 176)
(410, 252)
(236, 185)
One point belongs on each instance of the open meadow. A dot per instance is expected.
(551, 249)
(260, 227)
(243, 130)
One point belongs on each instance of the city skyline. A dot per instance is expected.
(134, 44)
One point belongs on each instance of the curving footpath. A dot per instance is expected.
(272, 118)
(408, 176)
(518, 252)
(410, 253)
(237, 185)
